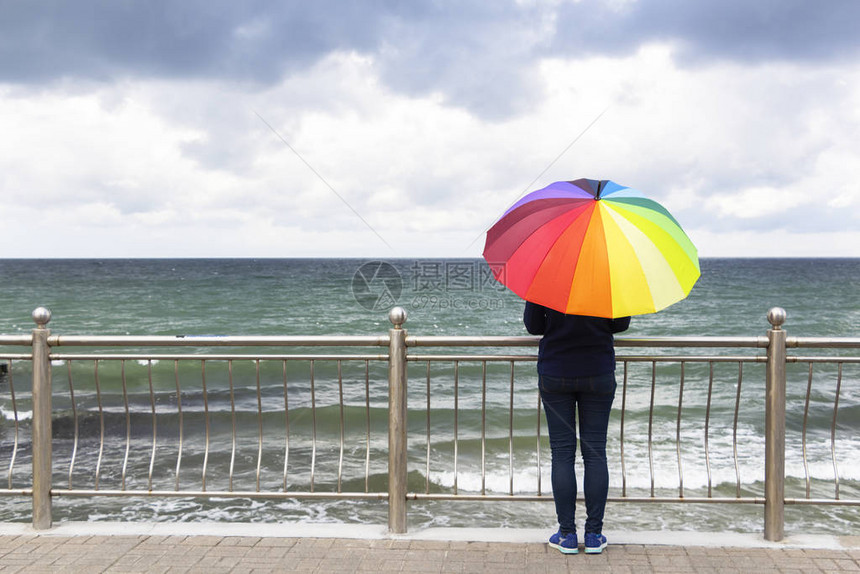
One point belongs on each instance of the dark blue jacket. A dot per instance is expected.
(573, 345)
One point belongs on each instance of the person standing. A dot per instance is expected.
(576, 375)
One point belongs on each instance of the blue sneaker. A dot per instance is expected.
(594, 543)
(568, 544)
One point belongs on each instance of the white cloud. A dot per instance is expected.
(755, 202)
(741, 154)
(777, 243)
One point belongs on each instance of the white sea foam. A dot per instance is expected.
(525, 480)
(9, 414)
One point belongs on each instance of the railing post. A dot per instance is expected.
(397, 471)
(774, 457)
(42, 474)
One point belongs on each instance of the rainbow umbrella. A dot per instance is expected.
(590, 247)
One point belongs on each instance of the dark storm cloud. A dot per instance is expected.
(102, 40)
(738, 30)
(478, 54)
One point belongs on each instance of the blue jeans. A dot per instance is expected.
(592, 397)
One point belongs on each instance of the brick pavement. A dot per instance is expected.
(31, 552)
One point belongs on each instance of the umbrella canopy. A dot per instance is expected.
(590, 247)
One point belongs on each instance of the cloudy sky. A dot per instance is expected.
(401, 129)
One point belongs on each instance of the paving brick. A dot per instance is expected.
(281, 542)
(177, 559)
(312, 563)
(453, 566)
(667, 550)
(825, 553)
(340, 563)
(238, 541)
(432, 545)
(422, 566)
(209, 570)
(825, 563)
(269, 552)
(423, 555)
(202, 541)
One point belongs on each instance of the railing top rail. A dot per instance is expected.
(18, 340)
(211, 357)
(691, 358)
(216, 341)
(713, 342)
(411, 341)
(828, 359)
(823, 342)
(471, 341)
(469, 358)
(424, 357)
(531, 341)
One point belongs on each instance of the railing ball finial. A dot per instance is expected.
(776, 316)
(41, 316)
(397, 316)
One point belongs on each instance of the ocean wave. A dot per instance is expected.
(9, 415)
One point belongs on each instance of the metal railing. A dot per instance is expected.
(319, 424)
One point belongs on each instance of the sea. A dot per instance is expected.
(192, 297)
